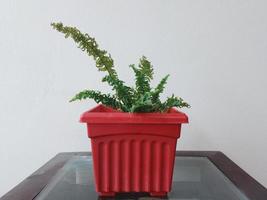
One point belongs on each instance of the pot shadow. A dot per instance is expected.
(133, 196)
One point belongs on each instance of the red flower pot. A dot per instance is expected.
(133, 152)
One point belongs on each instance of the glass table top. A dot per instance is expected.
(195, 178)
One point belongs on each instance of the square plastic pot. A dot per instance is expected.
(133, 152)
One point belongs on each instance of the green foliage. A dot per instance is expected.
(103, 60)
(123, 93)
(174, 102)
(141, 98)
(159, 89)
(143, 76)
(106, 99)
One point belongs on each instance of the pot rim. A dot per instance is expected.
(101, 114)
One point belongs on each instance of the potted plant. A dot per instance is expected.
(133, 133)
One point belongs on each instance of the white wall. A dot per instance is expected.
(214, 50)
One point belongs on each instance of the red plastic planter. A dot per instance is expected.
(133, 152)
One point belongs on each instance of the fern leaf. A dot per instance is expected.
(143, 76)
(104, 62)
(123, 92)
(174, 102)
(141, 82)
(143, 104)
(146, 68)
(98, 97)
(159, 88)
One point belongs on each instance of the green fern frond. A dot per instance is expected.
(141, 82)
(146, 68)
(143, 76)
(174, 102)
(103, 60)
(98, 97)
(143, 104)
(159, 88)
(123, 92)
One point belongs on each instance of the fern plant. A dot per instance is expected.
(140, 98)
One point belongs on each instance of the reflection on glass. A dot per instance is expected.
(195, 178)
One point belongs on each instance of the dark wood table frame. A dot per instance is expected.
(33, 185)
